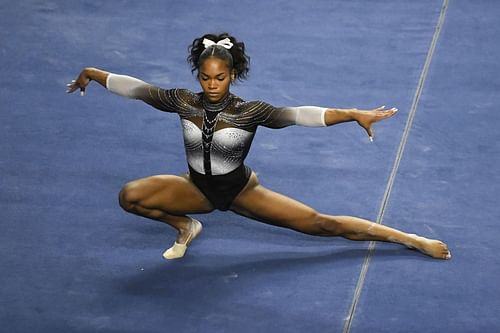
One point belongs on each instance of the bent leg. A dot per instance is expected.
(167, 199)
(264, 205)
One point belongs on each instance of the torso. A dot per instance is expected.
(230, 146)
(229, 130)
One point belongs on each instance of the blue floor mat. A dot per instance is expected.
(73, 261)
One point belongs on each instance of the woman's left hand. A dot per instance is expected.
(366, 118)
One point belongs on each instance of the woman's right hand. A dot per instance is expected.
(81, 83)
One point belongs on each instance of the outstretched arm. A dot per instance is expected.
(130, 87)
(314, 116)
(122, 85)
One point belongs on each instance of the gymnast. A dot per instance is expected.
(218, 129)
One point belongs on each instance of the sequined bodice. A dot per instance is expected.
(217, 137)
(228, 149)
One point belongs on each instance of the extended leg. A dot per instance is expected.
(259, 203)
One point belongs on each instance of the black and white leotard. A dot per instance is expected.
(217, 137)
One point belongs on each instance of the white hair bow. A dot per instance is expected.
(225, 43)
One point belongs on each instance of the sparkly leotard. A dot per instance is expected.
(217, 137)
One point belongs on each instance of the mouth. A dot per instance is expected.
(214, 97)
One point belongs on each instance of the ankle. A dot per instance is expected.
(184, 230)
(414, 241)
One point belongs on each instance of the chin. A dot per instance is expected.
(215, 99)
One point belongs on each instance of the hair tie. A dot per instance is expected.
(225, 43)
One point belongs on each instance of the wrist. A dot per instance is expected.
(354, 114)
(94, 74)
(89, 73)
(335, 116)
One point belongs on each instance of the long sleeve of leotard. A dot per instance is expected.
(309, 116)
(169, 100)
(126, 86)
(264, 114)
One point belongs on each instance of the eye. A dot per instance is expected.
(221, 78)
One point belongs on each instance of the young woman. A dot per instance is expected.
(218, 130)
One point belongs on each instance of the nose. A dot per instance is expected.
(212, 84)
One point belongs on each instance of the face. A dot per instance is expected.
(215, 78)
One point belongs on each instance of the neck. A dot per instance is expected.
(219, 106)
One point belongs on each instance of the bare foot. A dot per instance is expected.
(431, 247)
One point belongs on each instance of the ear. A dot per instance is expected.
(233, 75)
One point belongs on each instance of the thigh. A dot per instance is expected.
(173, 194)
(262, 204)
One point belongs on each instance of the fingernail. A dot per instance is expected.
(82, 93)
(370, 138)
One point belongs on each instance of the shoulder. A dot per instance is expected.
(183, 98)
(182, 94)
(252, 106)
(253, 113)
(265, 114)
(182, 101)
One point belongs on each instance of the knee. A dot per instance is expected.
(128, 198)
(316, 224)
(326, 225)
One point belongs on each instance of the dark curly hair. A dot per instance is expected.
(235, 57)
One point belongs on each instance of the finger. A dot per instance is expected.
(386, 113)
(391, 112)
(369, 131)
